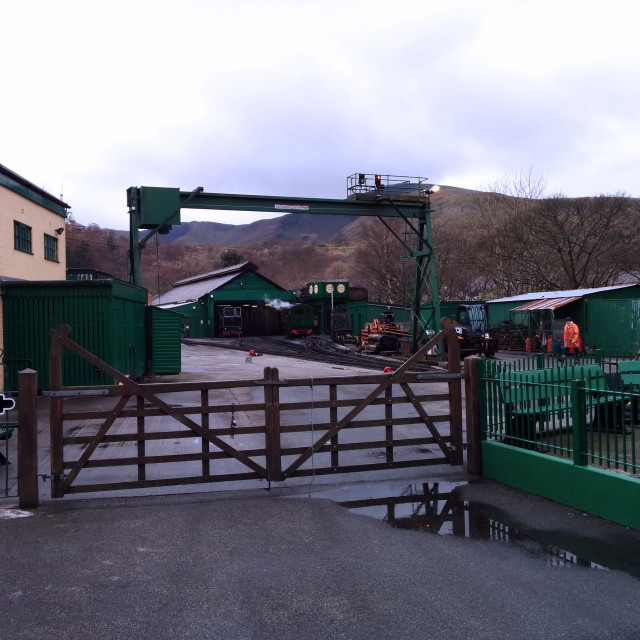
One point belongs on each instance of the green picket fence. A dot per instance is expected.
(580, 407)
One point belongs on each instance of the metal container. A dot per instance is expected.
(107, 317)
(164, 329)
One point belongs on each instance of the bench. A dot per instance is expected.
(629, 371)
(535, 397)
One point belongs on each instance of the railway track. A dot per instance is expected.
(315, 349)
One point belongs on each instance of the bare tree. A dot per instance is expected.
(586, 241)
(458, 279)
(380, 261)
(526, 242)
(503, 240)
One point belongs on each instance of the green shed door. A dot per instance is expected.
(164, 332)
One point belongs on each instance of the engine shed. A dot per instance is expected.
(228, 302)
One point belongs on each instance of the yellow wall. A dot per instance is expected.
(18, 264)
(28, 266)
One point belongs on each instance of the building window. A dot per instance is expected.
(21, 237)
(50, 248)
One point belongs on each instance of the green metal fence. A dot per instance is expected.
(578, 408)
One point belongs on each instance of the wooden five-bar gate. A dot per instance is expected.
(134, 435)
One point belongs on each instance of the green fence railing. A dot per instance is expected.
(577, 408)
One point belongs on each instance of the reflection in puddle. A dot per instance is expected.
(438, 507)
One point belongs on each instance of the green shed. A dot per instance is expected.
(231, 301)
(164, 329)
(107, 317)
(613, 324)
(607, 316)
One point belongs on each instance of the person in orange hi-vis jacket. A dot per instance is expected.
(571, 337)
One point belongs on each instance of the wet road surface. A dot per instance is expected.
(280, 565)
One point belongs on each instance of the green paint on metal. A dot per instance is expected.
(106, 318)
(609, 319)
(449, 309)
(609, 495)
(613, 325)
(159, 206)
(381, 203)
(382, 206)
(164, 336)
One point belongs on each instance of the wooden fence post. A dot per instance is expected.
(472, 402)
(272, 424)
(28, 439)
(455, 394)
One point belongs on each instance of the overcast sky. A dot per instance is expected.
(289, 97)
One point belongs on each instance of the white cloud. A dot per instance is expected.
(290, 97)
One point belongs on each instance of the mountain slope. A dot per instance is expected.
(313, 229)
(294, 226)
(449, 202)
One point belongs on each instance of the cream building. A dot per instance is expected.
(32, 238)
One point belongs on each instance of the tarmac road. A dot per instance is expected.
(263, 565)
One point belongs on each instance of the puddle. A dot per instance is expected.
(10, 514)
(438, 508)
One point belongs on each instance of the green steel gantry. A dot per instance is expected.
(373, 195)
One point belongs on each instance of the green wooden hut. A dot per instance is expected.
(237, 293)
(106, 316)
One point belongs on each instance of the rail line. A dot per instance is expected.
(315, 349)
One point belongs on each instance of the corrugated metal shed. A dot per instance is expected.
(614, 325)
(107, 317)
(607, 316)
(164, 350)
(544, 295)
(500, 308)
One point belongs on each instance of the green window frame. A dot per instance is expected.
(21, 237)
(50, 248)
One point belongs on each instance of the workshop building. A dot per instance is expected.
(228, 302)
